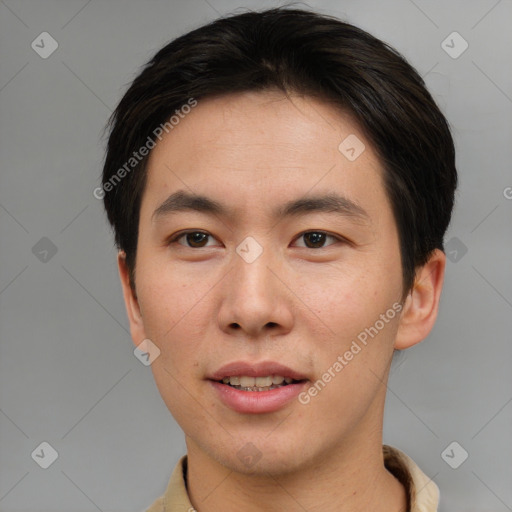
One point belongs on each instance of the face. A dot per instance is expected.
(270, 290)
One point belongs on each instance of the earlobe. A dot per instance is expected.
(133, 309)
(422, 303)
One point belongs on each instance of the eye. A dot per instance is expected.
(199, 239)
(196, 239)
(316, 239)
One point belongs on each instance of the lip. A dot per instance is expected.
(260, 369)
(257, 402)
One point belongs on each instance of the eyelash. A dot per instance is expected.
(181, 234)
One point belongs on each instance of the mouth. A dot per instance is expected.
(268, 383)
(252, 388)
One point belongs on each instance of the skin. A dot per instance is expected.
(299, 304)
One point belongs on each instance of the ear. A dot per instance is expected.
(421, 306)
(131, 302)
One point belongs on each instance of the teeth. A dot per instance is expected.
(263, 382)
(259, 382)
(255, 388)
(247, 382)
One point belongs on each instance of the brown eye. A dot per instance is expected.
(196, 238)
(193, 239)
(199, 239)
(316, 239)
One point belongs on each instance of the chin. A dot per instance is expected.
(267, 454)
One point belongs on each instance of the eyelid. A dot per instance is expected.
(339, 238)
(175, 237)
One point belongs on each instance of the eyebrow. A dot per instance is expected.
(329, 203)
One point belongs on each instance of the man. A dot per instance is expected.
(279, 184)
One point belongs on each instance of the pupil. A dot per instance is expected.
(318, 238)
(196, 238)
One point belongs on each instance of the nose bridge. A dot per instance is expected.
(252, 261)
(253, 297)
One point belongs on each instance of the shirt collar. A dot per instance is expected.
(422, 492)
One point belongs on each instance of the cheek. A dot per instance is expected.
(344, 299)
(352, 369)
(348, 310)
(165, 295)
(168, 319)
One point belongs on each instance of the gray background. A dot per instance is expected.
(68, 375)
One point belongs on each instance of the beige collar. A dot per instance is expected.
(423, 493)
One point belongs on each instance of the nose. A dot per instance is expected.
(256, 301)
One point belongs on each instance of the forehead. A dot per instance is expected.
(262, 145)
(263, 123)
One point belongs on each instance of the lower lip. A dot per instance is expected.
(257, 402)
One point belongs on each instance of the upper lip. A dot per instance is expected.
(260, 369)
